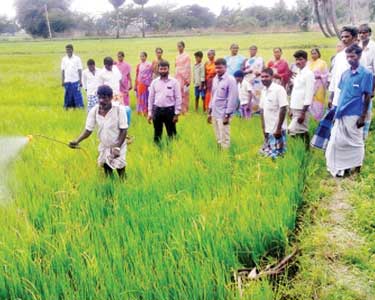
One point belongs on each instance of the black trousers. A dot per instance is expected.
(163, 116)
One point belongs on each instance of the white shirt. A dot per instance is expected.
(368, 56)
(271, 100)
(110, 78)
(244, 89)
(303, 89)
(340, 66)
(255, 64)
(71, 66)
(90, 81)
(108, 126)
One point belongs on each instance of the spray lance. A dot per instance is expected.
(31, 137)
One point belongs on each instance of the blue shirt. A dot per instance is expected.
(353, 87)
(224, 96)
(234, 63)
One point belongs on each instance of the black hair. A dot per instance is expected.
(159, 49)
(198, 54)
(317, 51)
(69, 46)
(351, 29)
(365, 27)
(144, 53)
(278, 48)
(181, 43)
(164, 63)
(121, 53)
(105, 90)
(300, 54)
(269, 71)
(220, 61)
(354, 48)
(91, 62)
(108, 61)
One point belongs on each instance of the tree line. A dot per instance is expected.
(47, 18)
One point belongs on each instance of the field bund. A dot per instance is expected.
(185, 219)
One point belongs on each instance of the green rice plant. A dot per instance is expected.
(186, 218)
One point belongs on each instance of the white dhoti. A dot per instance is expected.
(295, 127)
(346, 148)
(109, 127)
(106, 157)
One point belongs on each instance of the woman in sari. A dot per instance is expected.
(320, 69)
(142, 82)
(126, 81)
(155, 63)
(183, 75)
(280, 67)
(210, 72)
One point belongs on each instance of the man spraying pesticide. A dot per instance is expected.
(111, 120)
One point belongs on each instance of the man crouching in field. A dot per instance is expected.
(112, 129)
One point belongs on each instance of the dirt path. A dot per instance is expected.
(336, 261)
(341, 237)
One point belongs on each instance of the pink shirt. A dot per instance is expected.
(165, 93)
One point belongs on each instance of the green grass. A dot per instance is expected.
(187, 216)
(322, 253)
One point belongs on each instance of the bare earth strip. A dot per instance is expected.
(341, 237)
(337, 259)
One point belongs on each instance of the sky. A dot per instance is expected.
(97, 7)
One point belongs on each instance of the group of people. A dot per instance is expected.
(343, 130)
(236, 85)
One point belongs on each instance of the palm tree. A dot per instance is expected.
(325, 11)
(326, 16)
(116, 5)
(319, 19)
(142, 3)
(332, 16)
